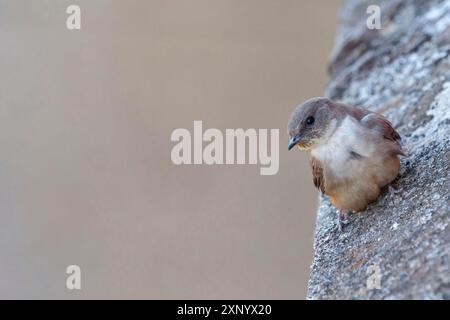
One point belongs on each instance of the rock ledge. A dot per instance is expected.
(402, 240)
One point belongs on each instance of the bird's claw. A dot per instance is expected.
(341, 221)
(393, 190)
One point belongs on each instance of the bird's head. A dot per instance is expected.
(311, 123)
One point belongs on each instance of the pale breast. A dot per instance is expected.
(354, 166)
(345, 149)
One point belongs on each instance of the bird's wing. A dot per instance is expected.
(317, 172)
(380, 124)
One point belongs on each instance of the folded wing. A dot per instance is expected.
(382, 126)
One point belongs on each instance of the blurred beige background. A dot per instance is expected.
(85, 170)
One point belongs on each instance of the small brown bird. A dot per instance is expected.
(354, 152)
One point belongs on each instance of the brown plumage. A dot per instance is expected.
(354, 152)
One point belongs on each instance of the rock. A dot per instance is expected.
(399, 247)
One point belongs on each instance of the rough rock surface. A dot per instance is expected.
(403, 239)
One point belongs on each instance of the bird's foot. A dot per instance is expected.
(393, 190)
(342, 220)
(394, 186)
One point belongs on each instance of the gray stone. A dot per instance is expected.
(403, 239)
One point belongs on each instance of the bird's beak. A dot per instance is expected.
(293, 142)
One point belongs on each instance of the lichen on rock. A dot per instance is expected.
(403, 71)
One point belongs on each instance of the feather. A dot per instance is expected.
(317, 172)
(380, 124)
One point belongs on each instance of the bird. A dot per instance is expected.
(354, 153)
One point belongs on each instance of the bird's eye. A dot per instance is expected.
(310, 120)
